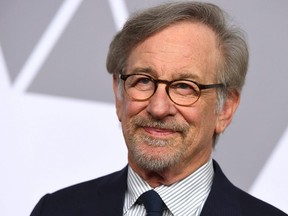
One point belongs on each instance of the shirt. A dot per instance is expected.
(185, 197)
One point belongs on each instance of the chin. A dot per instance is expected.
(156, 160)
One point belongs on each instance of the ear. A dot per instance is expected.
(226, 114)
(117, 96)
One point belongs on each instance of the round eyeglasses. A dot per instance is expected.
(142, 87)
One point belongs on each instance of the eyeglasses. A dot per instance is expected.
(142, 87)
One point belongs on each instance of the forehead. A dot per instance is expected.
(184, 47)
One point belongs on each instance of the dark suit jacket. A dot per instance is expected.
(105, 197)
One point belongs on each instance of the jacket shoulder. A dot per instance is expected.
(251, 205)
(94, 184)
(89, 196)
(227, 199)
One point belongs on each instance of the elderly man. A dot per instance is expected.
(178, 70)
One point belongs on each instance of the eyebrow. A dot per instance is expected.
(188, 75)
(175, 76)
(147, 70)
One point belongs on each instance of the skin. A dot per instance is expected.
(177, 139)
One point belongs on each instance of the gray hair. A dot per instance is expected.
(233, 62)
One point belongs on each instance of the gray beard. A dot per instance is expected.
(151, 162)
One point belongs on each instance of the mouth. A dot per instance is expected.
(159, 132)
(160, 129)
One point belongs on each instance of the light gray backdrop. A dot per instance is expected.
(56, 94)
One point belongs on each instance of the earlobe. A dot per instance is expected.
(225, 116)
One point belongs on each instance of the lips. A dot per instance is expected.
(159, 131)
(159, 128)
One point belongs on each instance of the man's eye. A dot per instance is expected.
(183, 88)
(143, 81)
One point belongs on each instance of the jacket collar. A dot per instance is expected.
(223, 198)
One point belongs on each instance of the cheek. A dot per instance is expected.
(192, 115)
(130, 108)
(202, 122)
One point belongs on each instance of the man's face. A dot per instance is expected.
(159, 134)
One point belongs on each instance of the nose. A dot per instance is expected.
(160, 105)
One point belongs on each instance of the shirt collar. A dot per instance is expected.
(181, 198)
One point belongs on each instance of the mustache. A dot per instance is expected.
(161, 124)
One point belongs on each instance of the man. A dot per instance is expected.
(178, 70)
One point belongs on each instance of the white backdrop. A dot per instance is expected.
(59, 129)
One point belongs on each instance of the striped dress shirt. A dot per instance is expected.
(183, 198)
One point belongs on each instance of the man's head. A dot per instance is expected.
(176, 41)
(233, 62)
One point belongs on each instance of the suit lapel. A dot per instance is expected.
(223, 198)
(109, 196)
